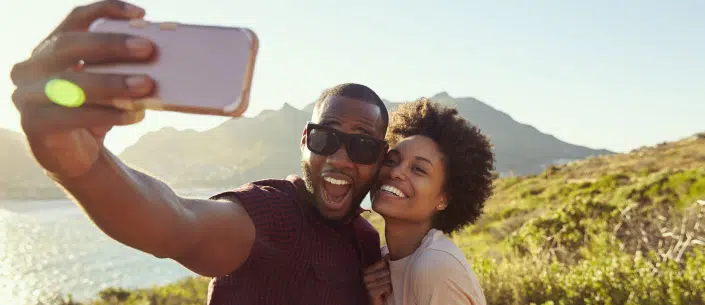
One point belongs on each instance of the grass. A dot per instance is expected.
(620, 229)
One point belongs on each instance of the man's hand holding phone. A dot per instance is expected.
(66, 111)
(104, 65)
(67, 141)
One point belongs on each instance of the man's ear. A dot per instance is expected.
(303, 140)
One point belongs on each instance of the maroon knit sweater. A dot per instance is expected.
(298, 256)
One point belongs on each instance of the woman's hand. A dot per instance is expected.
(378, 281)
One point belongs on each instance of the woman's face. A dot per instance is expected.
(410, 185)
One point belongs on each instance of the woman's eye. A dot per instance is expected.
(418, 169)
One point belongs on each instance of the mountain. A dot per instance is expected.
(21, 176)
(237, 151)
(265, 146)
(519, 147)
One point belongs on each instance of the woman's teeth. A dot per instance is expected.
(393, 190)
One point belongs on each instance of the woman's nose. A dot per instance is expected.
(397, 172)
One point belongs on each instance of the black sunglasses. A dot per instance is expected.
(362, 149)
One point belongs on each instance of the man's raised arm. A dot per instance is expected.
(209, 237)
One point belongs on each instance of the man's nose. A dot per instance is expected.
(340, 158)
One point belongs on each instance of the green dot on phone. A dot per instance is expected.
(64, 93)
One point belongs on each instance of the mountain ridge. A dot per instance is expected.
(268, 146)
(274, 137)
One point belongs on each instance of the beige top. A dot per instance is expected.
(436, 273)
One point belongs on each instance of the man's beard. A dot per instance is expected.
(356, 200)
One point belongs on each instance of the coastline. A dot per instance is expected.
(42, 193)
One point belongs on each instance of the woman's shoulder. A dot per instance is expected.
(440, 253)
(442, 250)
(438, 260)
(442, 271)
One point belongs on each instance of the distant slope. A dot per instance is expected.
(646, 184)
(518, 147)
(230, 154)
(267, 145)
(21, 176)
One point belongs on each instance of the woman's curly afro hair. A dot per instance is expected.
(468, 158)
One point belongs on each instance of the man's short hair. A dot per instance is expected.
(358, 92)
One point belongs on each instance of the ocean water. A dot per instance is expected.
(50, 247)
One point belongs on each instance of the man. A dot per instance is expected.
(292, 241)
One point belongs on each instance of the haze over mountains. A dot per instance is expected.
(20, 175)
(267, 146)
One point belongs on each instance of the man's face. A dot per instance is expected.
(338, 184)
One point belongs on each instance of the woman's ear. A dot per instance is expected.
(443, 204)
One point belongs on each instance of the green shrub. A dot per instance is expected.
(611, 278)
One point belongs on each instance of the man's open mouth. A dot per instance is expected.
(336, 192)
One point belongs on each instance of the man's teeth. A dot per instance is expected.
(335, 181)
(393, 190)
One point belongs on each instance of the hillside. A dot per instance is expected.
(518, 147)
(247, 149)
(619, 229)
(21, 176)
(233, 153)
(267, 145)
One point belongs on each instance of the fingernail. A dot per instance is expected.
(152, 103)
(123, 104)
(133, 117)
(133, 11)
(139, 47)
(136, 83)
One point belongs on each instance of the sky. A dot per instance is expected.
(605, 74)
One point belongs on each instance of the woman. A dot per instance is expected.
(434, 181)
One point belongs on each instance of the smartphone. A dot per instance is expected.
(197, 68)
